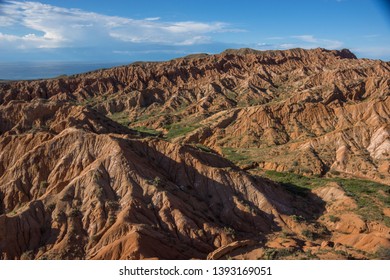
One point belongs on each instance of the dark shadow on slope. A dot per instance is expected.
(206, 199)
(303, 202)
(1, 203)
(188, 180)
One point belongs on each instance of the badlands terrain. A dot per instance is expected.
(241, 155)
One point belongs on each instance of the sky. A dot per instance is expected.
(93, 30)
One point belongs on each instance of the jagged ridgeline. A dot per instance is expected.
(177, 159)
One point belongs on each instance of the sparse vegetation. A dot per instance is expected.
(310, 256)
(51, 207)
(367, 194)
(147, 130)
(277, 254)
(308, 234)
(156, 181)
(60, 217)
(113, 205)
(28, 255)
(99, 191)
(111, 219)
(334, 219)
(203, 148)
(120, 117)
(43, 185)
(74, 212)
(368, 197)
(382, 253)
(234, 155)
(286, 234)
(297, 218)
(179, 129)
(230, 231)
(289, 179)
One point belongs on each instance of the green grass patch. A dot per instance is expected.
(147, 130)
(147, 116)
(203, 148)
(234, 155)
(176, 130)
(301, 181)
(231, 95)
(370, 197)
(120, 117)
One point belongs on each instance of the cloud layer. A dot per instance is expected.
(300, 41)
(36, 31)
(46, 26)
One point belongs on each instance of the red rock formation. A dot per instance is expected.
(76, 184)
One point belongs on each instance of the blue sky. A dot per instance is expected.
(90, 30)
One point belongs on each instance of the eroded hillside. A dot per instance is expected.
(309, 112)
(130, 162)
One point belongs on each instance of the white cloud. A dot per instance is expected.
(152, 18)
(318, 42)
(26, 41)
(302, 41)
(275, 38)
(54, 27)
(371, 36)
(310, 41)
(149, 51)
(331, 44)
(190, 26)
(195, 40)
(373, 52)
(287, 46)
(306, 38)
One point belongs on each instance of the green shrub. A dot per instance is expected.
(156, 181)
(275, 254)
(383, 253)
(334, 219)
(28, 255)
(74, 212)
(113, 205)
(43, 184)
(230, 231)
(308, 234)
(297, 218)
